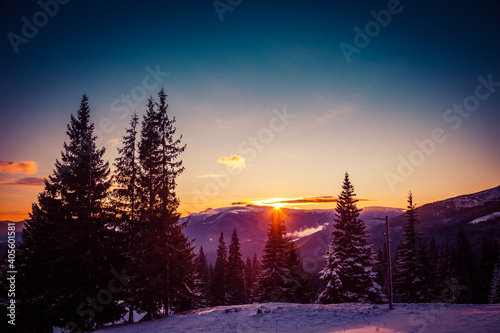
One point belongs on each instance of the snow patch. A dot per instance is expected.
(485, 218)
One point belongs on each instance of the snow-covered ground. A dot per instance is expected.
(350, 318)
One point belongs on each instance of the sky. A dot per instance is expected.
(273, 99)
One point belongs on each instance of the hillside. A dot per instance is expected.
(477, 214)
(316, 318)
(444, 219)
(310, 228)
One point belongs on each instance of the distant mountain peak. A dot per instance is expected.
(474, 199)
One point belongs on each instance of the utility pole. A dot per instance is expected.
(389, 268)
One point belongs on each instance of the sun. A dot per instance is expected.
(276, 203)
(277, 206)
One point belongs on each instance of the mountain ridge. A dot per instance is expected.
(442, 220)
(311, 229)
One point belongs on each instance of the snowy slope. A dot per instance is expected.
(351, 318)
(475, 199)
(485, 218)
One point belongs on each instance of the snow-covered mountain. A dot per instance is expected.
(478, 214)
(444, 219)
(311, 229)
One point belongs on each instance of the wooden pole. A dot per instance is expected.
(389, 268)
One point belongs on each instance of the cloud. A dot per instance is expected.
(293, 201)
(233, 161)
(210, 176)
(28, 181)
(113, 142)
(5, 180)
(307, 231)
(239, 203)
(24, 167)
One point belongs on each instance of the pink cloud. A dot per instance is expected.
(24, 167)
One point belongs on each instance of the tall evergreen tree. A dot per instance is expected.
(126, 178)
(380, 267)
(274, 273)
(427, 269)
(235, 269)
(255, 266)
(445, 272)
(166, 277)
(494, 296)
(249, 278)
(68, 251)
(408, 280)
(348, 274)
(219, 282)
(297, 287)
(432, 272)
(203, 272)
(126, 199)
(466, 269)
(252, 286)
(489, 255)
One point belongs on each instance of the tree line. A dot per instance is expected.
(425, 273)
(101, 244)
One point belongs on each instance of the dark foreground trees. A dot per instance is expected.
(165, 277)
(68, 250)
(82, 237)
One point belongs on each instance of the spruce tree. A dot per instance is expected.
(489, 256)
(380, 267)
(69, 246)
(249, 278)
(235, 279)
(427, 268)
(166, 270)
(211, 273)
(348, 274)
(126, 178)
(466, 269)
(297, 287)
(255, 267)
(446, 273)
(408, 280)
(494, 296)
(252, 285)
(219, 282)
(126, 199)
(432, 272)
(203, 276)
(274, 273)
